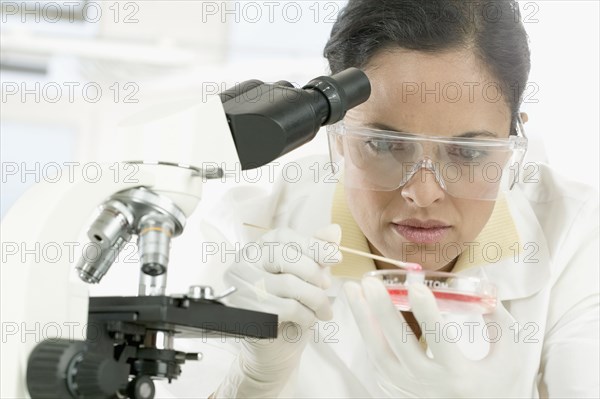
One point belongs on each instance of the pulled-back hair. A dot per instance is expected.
(491, 28)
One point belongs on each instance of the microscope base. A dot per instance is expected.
(134, 337)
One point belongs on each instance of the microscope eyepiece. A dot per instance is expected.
(270, 120)
(343, 91)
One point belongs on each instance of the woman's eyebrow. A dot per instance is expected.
(383, 126)
(475, 133)
(478, 133)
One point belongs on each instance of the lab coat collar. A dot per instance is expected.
(527, 270)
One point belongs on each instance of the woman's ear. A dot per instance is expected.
(524, 117)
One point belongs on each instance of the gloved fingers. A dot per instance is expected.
(298, 264)
(395, 329)
(254, 293)
(251, 286)
(503, 332)
(331, 233)
(323, 252)
(328, 239)
(291, 310)
(500, 316)
(261, 289)
(424, 307)
(375, 341)
(291, 287)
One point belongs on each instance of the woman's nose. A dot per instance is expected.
(422, 189)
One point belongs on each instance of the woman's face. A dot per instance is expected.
(415, 92)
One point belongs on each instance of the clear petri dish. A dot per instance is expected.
(454, 293)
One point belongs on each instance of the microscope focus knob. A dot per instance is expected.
(99, 376)
(141, 387)
(50, 368)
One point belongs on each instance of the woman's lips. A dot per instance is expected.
(422, 231)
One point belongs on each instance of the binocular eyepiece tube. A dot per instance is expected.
(270, 120)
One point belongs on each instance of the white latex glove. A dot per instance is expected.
(288, 278)
(403, 369)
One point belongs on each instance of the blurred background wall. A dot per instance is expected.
(70, 70)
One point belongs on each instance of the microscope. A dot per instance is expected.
(57, 341)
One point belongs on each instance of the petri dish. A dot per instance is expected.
(453, 293)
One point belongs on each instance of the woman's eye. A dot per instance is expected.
(467, 153)
(379, 146)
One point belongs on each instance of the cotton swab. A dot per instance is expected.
(403, 265)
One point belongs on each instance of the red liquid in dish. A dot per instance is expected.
(447, 301)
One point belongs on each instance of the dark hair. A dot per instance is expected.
(492, 28)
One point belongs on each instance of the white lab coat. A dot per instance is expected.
(556, 298)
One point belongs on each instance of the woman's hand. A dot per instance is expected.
(405, 370)
(286, 274)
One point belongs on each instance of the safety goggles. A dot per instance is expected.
(472, 168)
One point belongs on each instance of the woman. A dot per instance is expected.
(447, 77)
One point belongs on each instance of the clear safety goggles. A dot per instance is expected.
(472, 168)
